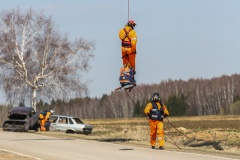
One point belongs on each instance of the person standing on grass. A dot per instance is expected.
(155, 112)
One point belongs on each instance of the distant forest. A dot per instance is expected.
(194, 97)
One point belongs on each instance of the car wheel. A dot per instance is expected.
(26, 129)
(70, 132)
(5, 126)
(86, 131)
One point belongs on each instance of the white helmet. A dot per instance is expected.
(52, 111)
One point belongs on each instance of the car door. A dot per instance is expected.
(62, 124)
(52, 123)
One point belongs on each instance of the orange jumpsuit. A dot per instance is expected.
(43, 118)
(129, 42)
(156, 126)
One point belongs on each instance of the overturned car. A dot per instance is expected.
(21, 119)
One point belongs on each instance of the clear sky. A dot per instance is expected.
(177, 39)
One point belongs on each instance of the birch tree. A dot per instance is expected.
(36, 61)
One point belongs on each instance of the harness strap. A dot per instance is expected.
(126, 34)
(126, 55)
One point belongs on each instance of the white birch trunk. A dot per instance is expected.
(34, 99)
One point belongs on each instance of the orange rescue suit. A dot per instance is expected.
(129, 42)
(43, 118)
(156, 126)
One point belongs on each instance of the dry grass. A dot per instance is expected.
(205, 133)
(5, 155)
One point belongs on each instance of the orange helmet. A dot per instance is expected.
(131, 23)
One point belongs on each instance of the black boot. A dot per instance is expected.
(153, 147)
(161, 148)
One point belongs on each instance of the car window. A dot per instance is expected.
(53, 119)
(18, 116)
(78, 121)
(70, 121)
(63, 120)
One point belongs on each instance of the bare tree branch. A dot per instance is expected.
(35, 58)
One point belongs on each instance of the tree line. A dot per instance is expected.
(193, 97)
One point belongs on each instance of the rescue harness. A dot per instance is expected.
(155, 113)
(43, 114)
(126, 44)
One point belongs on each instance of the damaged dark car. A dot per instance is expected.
(21, 119)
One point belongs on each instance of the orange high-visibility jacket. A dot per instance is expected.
(149, 107)
(131, 38)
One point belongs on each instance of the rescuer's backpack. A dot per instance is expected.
(44, 112)
(126, 78)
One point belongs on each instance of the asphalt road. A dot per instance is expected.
(49, 148)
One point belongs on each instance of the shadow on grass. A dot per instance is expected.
(198, 143)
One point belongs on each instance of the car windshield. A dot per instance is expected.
(18, 116)
(78, 121)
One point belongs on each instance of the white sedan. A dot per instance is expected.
(68, 124)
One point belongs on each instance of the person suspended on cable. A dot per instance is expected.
(128, 38)
(155, 112)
